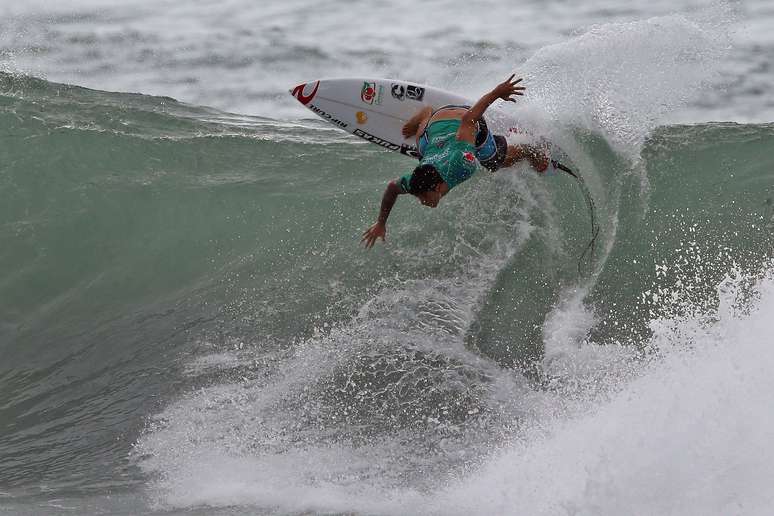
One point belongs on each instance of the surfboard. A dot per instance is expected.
(376, 109)
(373, 109)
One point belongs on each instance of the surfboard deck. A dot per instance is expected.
(373, 109)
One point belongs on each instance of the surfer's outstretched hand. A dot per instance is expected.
(374, 232)
(507, 89)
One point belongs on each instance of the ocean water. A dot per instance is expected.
(188, 324)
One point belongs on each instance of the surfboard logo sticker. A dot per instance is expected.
(415, 93)
(410, 150)
(298, 92)
(370, 93)
(361, 117)
(401, 92)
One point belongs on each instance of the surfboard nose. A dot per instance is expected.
(300, 92)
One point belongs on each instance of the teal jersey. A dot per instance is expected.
(454, 160)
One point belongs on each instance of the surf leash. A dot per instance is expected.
(590, 205)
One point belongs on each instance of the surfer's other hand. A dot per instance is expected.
(371, 234)
(508, 88)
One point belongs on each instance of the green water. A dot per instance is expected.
(138, 234)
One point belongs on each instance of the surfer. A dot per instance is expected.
(452, 141)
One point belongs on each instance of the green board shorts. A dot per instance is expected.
(455, 160)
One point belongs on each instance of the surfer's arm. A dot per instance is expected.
(410, 128)
(505, 90)
(379, 230)
(391, 193)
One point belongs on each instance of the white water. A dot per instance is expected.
(691, 434)
(623, 79)
(686, 431)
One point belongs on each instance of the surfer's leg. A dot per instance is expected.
(420, 118)
(443, 113)
(536, 157)
(491, 148)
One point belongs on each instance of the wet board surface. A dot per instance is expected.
(373, 109)
(376, 109)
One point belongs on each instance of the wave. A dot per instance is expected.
(183, 296)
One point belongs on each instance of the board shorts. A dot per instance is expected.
(455, 160)
(490, 148)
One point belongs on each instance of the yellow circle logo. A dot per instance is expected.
(361, 117)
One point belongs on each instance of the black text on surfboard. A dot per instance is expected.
(375, 139)
(409, 150)
(328, 117)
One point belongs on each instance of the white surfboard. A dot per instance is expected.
(376, 109)
(373, 109)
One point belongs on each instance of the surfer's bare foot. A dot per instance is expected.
(538, 159)
(536, 156)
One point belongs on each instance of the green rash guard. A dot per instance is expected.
(454, 160)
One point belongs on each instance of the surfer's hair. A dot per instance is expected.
(423, 179)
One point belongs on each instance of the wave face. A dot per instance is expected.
(185, 314)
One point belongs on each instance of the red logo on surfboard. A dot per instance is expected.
(368, 92)
(298, 92)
